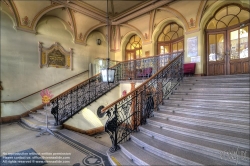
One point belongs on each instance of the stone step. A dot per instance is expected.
(221, 77)
(119, 159)
(209, 97)
(213, 89)
(174, 153)
(228, 140)
(42, 118)
(222, 113)
(215, 85)
(205, 123)
(140, 156)
(206, 147)
(42, 111)
(210, 104)
(198, 127)
(211, 94)
(208, 100)
(31, 122)
(216, 118)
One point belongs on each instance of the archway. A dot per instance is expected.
(227, 41)
(133, 48)
(171, 39)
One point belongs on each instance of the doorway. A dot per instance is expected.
(228, 42)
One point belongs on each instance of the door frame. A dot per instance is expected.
(226, 44)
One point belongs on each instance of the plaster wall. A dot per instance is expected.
(21, 74)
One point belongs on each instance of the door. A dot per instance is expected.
(216, 51)
(238, 51)
(228, 52)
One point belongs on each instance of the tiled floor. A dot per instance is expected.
(79, 149)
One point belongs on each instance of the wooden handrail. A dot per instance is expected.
(144, 83)
(13, 101)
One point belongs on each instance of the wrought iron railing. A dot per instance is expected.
(126, 114)
(73, 100)
(145, 67)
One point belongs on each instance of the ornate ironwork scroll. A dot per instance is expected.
(132, 110)
(72, 101)
(55, 56)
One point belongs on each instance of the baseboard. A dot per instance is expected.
(87, 132)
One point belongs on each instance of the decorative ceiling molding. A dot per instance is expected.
(178, 15)
(85, 37)
(73, 22)
(42, 12)
(139, 33)
(81, 8)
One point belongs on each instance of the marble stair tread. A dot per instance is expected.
(206, 85)
(43, 112)
(241, 143)
(38, 125)
(189, 142)
(207, 113)
(205, 123)
(173, 153)
(42, 118)
(213, 90)
(203, 117)
(119, 159)
(170, 123)
(192, 93)
(210, 104)
(242, 110)
(209, 97)
(142, 156)
(231, 101)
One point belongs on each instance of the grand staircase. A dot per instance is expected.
(204, 122)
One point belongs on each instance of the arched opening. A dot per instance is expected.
(133, 48)
(171, 39)
(227, 41)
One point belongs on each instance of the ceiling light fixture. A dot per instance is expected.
(108, 75)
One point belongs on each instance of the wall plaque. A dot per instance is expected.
(55, 56)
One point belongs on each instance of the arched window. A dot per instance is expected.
(170, 39)
(133, 48)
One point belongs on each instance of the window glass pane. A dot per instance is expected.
(128, 46)
(227, 19)
(166, 29)
(234, 10)
(180, 46)
(212, 47)
(234, 21)
(212, 24)
(174, 47)
(244, 42)
(166, 49)
(221, 13)
(220, 47)
(234, 45)
(221, 25)
(244, 15)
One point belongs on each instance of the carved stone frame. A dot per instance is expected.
(44, 52)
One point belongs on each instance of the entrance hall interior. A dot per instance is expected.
(180, 94)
